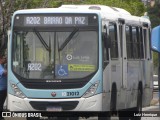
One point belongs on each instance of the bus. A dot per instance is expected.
(79, 58)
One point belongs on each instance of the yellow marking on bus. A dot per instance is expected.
(81, 67)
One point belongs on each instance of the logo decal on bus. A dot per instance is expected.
(81, 67)
(62, 70)
(69, 57)
(53, 94)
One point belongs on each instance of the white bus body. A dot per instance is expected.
(124, 71)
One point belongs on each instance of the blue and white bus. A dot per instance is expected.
(79, 58)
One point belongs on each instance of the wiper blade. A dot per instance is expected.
(42, 40)
(68, 39)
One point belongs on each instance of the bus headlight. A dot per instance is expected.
(91, 91)
(17, 91)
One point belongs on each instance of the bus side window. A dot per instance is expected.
(129, 42)
(150, 52)
(135, 41)
(141, 43)
(146, 43)
(113, 38)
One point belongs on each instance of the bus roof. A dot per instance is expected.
(106, 12)
(77, 8)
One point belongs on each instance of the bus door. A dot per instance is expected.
(148, 73)
(123, 91)
(147, 55)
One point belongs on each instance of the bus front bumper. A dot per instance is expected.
(93, 103)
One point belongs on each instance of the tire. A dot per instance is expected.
(104, 116)
(68, 118)
(124, 118)
(121, 115)
(73, 118)
(113, 100)
(62, 118)
(138, 109)
(112, 105)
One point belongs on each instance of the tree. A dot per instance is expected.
(154, 15)
(7, 7)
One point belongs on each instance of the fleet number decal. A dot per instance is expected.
(70, 93)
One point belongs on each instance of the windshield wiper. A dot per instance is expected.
(42, 40)
(68, 39)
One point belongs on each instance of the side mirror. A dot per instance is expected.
(106, 45)
(107, 40)
(155, 39)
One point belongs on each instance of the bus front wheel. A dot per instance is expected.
(138, 109)
(104, 116)
(68, 118)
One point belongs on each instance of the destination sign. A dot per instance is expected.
(55, 20)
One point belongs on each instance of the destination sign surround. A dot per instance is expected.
(55, 20)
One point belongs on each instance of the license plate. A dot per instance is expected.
(54, 108)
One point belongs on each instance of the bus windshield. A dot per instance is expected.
(65, 54)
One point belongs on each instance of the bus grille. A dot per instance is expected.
(44, 85)
(66, 105)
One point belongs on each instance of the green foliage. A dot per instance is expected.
(135, 7)
(155, 59)
(31, 4)
(154, 15)
(8, 7)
